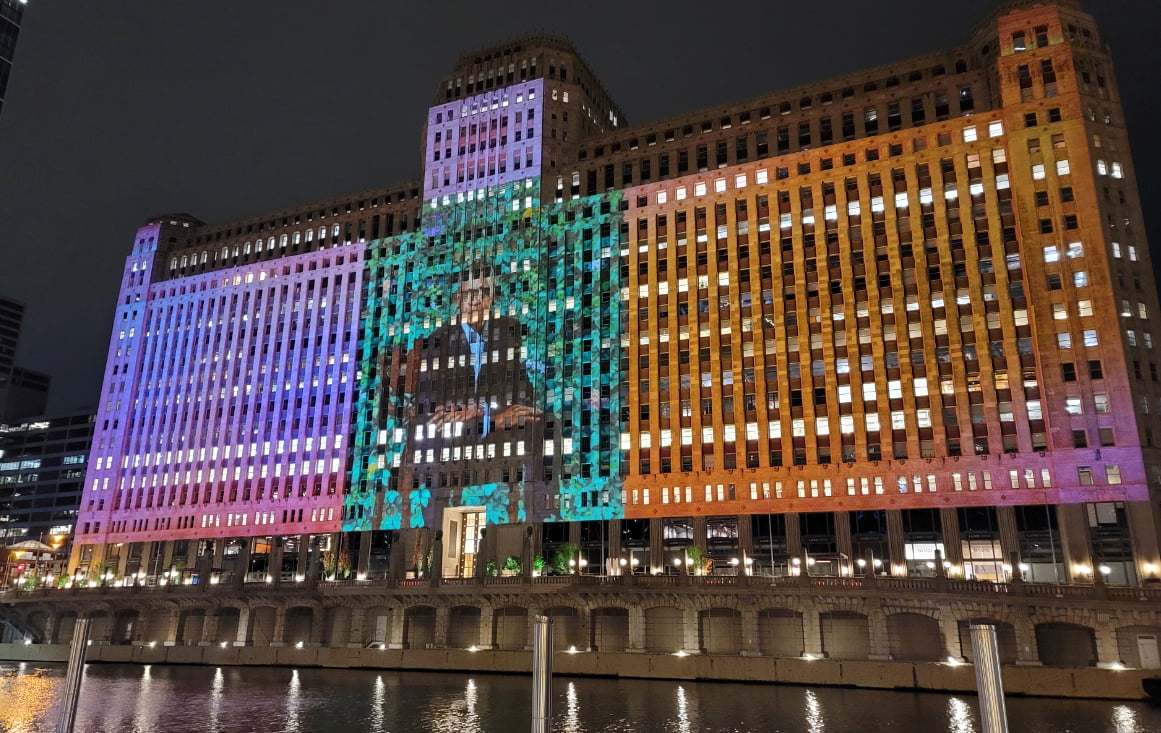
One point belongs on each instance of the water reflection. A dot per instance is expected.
(1125, 720)
(814, 713)
(571, 723)
(959, 716)
(378, 690)
(216, 688)
(207, 699)
(293, 702)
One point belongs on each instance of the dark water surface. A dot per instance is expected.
(160, 699)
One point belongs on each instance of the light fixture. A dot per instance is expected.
(1105, 569)
(152, 644)
(953, 661)
(861, 562)
(223, 645)
(1024, 567)
(677, 562)
(734, 561)
(930, 565)
(298, 645)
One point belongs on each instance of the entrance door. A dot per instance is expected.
(1147, 649)
(473, 523)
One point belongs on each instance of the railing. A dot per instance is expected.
(708, 583)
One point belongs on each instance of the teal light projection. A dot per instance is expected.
(491, 363)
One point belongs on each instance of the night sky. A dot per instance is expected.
(117, 111)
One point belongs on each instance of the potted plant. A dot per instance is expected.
(512, 566)
(566, 558)
(693, 559)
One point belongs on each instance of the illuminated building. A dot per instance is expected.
(899, 318)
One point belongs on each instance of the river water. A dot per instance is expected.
(158, 699)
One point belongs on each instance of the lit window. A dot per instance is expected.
(1062, 168)
(1072, 405)
(1064, 340)
(1084, 308)
(1080, 279)
(969, 134)
(1113, 473)
(1090, 337)
(1038, 171)
(1101, 403)
(995, 129)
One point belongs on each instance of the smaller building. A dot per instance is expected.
(23, 392)
(42, 469)
(11, 14)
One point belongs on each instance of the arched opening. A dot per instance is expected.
(915, 637)
(419, 627)
(62, 631)
(261, 627)
(664, 630)
(463, 627)
(376, 626)
(124, 627)
(1005, 639)
(1066, 645)
(565, 627)
(845, 635)
(510, 626)
(190, 625)
(297, 626)
(228, 619)
(610, 629)
(780, 632)
(720, 630)
(101, 628)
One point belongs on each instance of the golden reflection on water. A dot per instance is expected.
(28, 698)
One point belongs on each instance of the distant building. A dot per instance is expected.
(894, 319)
(23, 392)
(11, 14)
(42, 466)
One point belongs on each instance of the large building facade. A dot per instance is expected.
(898, 320)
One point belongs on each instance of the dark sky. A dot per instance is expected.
(120, 110)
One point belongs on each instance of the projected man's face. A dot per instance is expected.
(474, 298)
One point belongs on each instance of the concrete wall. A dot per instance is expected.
(1046, 681)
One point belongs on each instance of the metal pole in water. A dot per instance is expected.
(73, 677)
(541, 674)
(993, 713)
